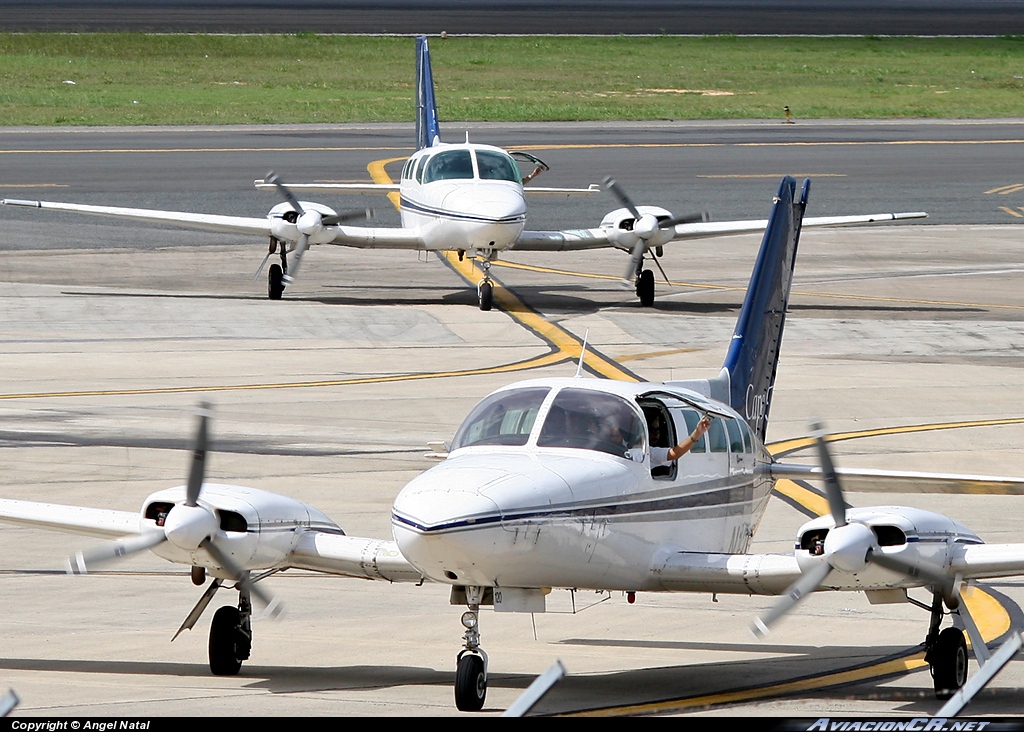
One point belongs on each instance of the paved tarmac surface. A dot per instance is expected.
(112, 333)
(815, 17)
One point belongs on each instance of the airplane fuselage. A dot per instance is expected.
(539, 491)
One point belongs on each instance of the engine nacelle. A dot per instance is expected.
(620, 222)
(284, 222)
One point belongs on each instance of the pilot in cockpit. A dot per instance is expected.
(667, 455)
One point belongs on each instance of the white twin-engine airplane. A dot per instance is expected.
(556, 483)
(467, 198)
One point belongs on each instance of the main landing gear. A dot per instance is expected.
(946, 654)
(275, 282)
(471, 672)
(231, 636)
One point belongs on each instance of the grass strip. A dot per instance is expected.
(132, 79)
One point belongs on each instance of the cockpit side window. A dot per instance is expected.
(496, 166)
(692, 419)
(449, 165)
(505, 418)
(590, 420)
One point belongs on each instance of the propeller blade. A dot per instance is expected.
(197, 470)
(293, 269)
(836, 504)
(612, 187)
(691, 218)
(344, 216)
(808, 583)
(275, 180)
(81, 562)
(913, 571)
(635, 257)
(242, 578)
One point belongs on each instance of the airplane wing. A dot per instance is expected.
(95, 522)
(382, 189)
(579, 239)
(351, 556)
(860, 480)
(747, 574)
(205, 222)
(705, 230)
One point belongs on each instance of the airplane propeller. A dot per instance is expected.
(188, 525)
(646, 226)
(308, 223)
(849, 547)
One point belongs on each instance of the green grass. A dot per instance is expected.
(178, 79)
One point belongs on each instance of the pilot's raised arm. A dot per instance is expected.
(668, 455)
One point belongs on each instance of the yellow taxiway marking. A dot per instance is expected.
(565, 346)
(1010, 211)
(1003, 190)
(35, 185)
(574, 146)
(776, 176)
(656, 354)
(163, 150)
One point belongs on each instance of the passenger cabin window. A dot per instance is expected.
(735, 436)
(717, 437)
(449, 165)
(505, 418)
(496, 166)
(591, 420)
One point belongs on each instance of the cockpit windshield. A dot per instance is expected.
(591, 420)
(505, 418)
(449, 165)
(496, 166)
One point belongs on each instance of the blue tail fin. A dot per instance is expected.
(428, 133)
(754, 351)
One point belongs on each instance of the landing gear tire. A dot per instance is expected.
(275, 282)
(486, 295)
(470, 684)
(645, 288)
(228, 644)
(948, 662)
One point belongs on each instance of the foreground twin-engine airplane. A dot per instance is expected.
(466, 198)
(556, 483)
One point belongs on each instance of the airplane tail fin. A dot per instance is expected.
(428, 133)
(753, 355)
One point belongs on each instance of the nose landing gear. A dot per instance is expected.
(471, 671)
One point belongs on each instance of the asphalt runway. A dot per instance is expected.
(602, 17)
(113, 332)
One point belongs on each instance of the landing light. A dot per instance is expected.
(469, 620)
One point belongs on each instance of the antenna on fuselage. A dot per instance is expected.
(583, 353)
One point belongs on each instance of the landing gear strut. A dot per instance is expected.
(231, 636)
(485, 289)
(946, 654)
(471, 672)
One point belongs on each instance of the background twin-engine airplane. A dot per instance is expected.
(555, 483)
(464, 197)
